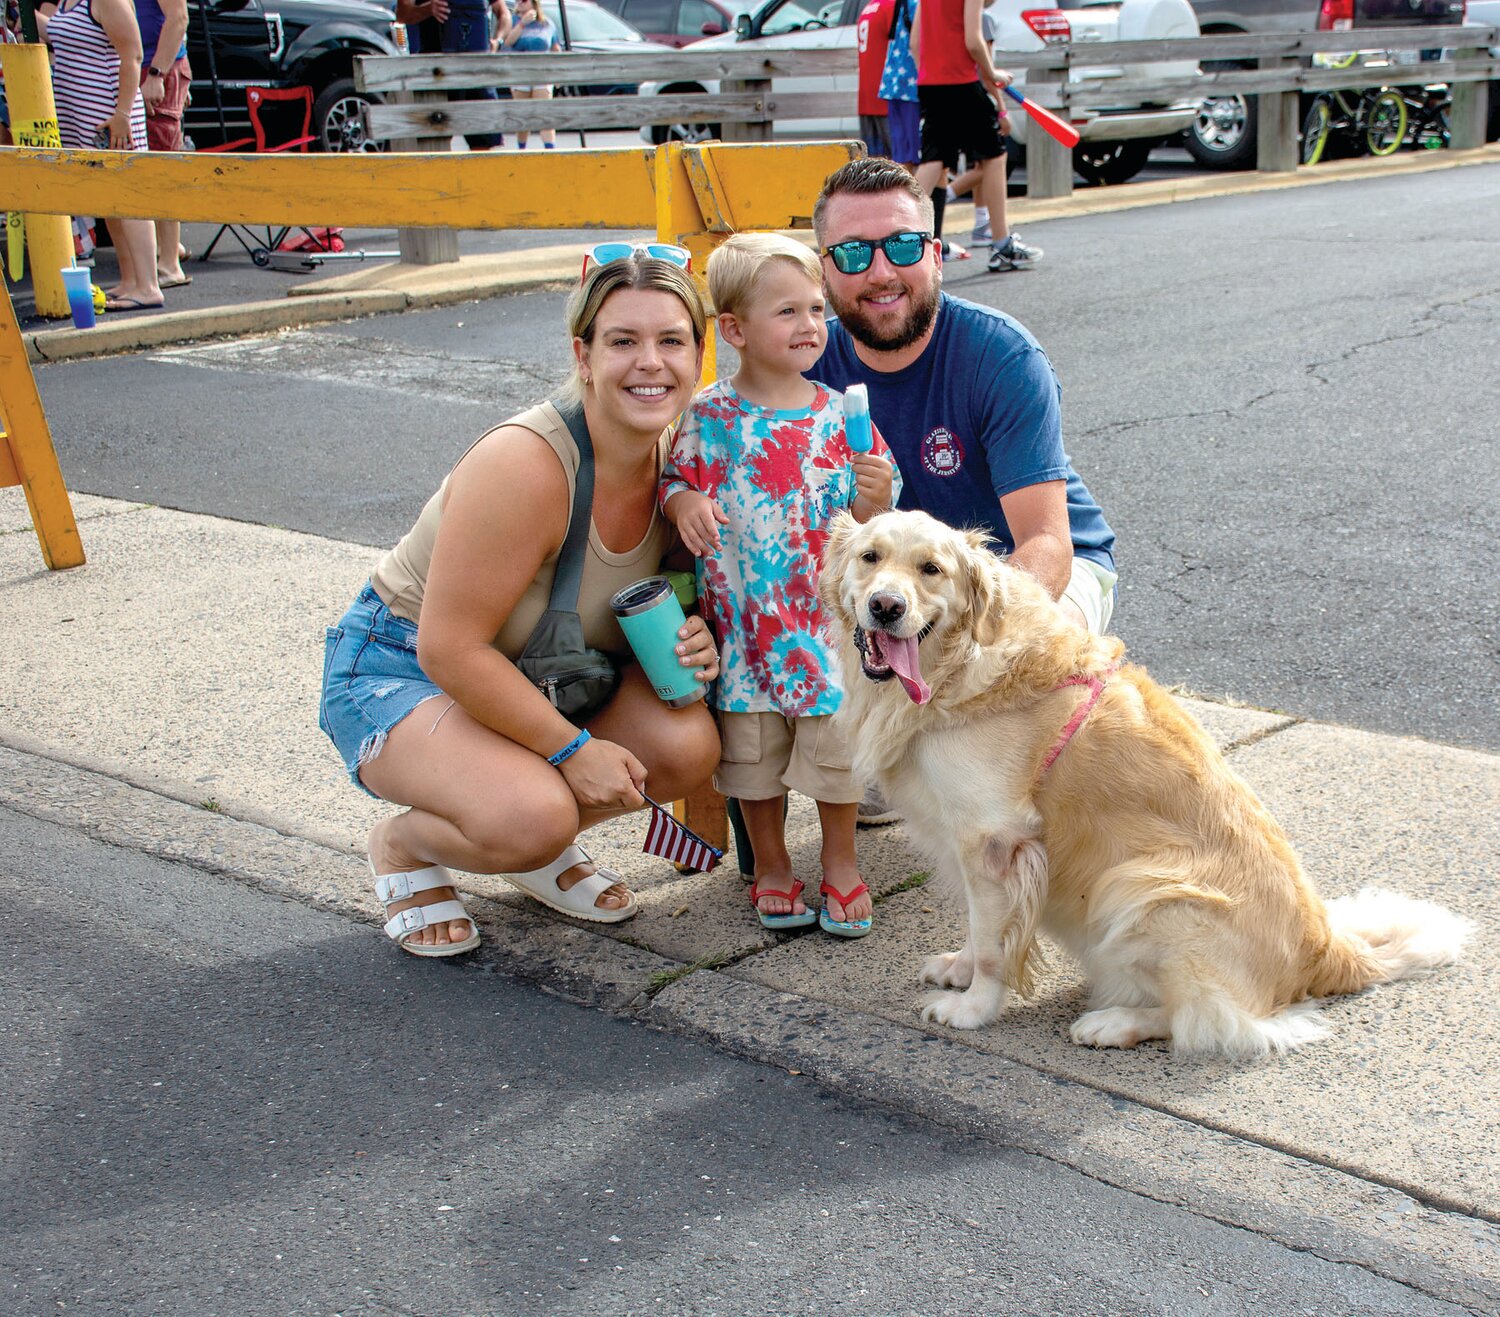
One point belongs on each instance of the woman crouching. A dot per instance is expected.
(421, 691)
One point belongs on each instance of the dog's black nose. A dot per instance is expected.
(887, 609)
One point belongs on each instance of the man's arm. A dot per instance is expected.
(979, 50)
(1038, 519)
(173, 30)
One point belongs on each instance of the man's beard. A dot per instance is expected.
(923, 311)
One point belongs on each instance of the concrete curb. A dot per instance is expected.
(1320, 1209)
(378, 290)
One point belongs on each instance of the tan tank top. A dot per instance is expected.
(401, 576)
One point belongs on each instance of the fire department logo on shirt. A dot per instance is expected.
(942, 453)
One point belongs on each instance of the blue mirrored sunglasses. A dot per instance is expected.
(604, 252)
(855, 256)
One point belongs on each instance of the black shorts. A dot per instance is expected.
(959, 119)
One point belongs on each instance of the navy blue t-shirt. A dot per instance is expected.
(976, 416)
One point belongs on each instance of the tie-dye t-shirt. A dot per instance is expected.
(779, 476)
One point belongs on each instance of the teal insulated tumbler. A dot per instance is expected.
(650, 616)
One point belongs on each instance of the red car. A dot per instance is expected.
(676, 22)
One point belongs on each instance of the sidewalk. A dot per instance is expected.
(164, 698)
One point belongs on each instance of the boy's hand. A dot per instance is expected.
(698, 519)
(872, 482)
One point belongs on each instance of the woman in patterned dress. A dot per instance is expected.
(96, 81)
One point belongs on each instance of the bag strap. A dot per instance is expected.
(568, 577)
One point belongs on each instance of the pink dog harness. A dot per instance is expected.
(1096, 689)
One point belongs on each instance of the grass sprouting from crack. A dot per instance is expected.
(918, 879)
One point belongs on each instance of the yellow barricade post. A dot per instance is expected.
(33, 122)
(27, 457)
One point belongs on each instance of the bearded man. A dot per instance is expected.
(964, 396)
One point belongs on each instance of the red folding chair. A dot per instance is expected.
(282, 134)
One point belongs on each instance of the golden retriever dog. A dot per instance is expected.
(1068, 795)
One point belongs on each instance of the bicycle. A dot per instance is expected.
(1373, 122)
(1427, 110)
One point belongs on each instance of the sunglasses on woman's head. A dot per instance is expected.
(604, 253)
(855, 256)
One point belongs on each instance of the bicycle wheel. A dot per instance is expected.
(1386, 123)
(1315, 130)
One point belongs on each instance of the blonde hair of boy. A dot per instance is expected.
(737, 264)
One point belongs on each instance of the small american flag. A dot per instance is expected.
(669, 839)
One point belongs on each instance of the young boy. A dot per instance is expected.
(759, 466)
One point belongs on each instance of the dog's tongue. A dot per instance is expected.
(901, 654)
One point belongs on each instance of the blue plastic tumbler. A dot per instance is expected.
(80, 289)
(651, 616)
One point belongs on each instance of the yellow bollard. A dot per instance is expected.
(33, 122)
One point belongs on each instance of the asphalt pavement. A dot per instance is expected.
(159, 700)
(245, 1107)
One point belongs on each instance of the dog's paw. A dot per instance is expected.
(948, 969)
(961, 1010)
(1119, 1026)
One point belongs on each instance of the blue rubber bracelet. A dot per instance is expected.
(571, 749)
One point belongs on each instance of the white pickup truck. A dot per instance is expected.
(1116, 138)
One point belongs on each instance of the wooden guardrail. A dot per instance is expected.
(747, 107)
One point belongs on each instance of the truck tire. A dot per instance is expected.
(1223, 136)
(338, 119)
(1100, 163)
(690, 133)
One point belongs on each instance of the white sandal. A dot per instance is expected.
(399, 927)
(578, 900)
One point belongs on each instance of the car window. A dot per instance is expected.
(591, 23)
(693, 14)
(789, 18)
(651, 15)
(614, 6)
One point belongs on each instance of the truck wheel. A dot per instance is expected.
(1223, 135)
(338, 119)
(1099, 163)
(691, 133)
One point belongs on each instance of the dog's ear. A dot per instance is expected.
(835, 558)
(986, 580)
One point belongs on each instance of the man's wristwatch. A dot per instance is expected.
(153, 72)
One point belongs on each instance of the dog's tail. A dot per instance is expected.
(1378, 936)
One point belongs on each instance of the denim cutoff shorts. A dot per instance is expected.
(371, 680)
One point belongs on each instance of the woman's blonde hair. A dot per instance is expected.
(635, 271)
(737, 264)
(537, 5)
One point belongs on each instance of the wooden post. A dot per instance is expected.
(1469, 114)
(425, 246)
(1278, 123)
(27, 457)
(760, 131)
(1049, 164)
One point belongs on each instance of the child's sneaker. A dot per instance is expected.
(1013, 254)
(953, 252)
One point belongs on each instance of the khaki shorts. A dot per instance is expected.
(1091, 587)
(767, 754)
